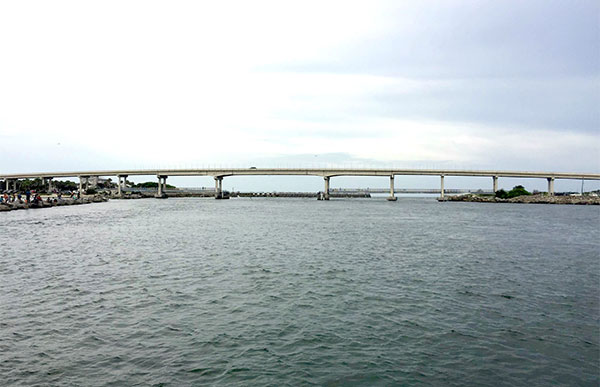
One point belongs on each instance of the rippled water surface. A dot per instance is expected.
(298, 292)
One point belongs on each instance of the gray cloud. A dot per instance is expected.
(473, 39)
(499, 84)
(526, 64)
(555, 104)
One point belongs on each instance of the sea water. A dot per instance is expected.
(269, 291)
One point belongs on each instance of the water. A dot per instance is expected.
(300, 292)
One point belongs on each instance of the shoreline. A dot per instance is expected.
(472, 198)
(89, 199)
(525, 199)
(183, 194)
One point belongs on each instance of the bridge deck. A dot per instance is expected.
(324, 172)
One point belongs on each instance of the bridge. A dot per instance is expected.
(412, 190)
(327, 173)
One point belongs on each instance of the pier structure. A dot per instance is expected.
(84, 182)
(121, 180)
(551, 186)
(49, 181)
(162, 186)
(327, 173)
(392, 196)
(218, 187)
(326, 190)
(7, 184)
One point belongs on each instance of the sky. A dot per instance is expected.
(511, 85)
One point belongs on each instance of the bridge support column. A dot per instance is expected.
(15, 185)
(50, 184)
(7, 183)
(442, 187)
(161, 185)
(80, 184)
(495, 183)
(119, 190)
(551, 186)
(326, 191)
(392, 197)
(164, 183)
(122, 184)
(218, 187)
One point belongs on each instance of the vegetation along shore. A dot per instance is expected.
(519, 195)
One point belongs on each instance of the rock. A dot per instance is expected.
(527, 199)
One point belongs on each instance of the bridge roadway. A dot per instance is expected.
(326, 173)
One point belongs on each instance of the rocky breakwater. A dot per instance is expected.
(130, 196)
(51, 202)
(532, 199)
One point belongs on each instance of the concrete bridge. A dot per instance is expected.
(326, 173)
(412, 190)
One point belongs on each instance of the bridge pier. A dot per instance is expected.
(81, 182)
(441, 186)
(551, 186)
(326, 191)
(392, 197)
(218, 187)
(7, 184)
(121, 183)
(161, 186)
(495, 183)
(49, 179)
(119, 190)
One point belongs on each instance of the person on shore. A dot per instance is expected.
(27, 196)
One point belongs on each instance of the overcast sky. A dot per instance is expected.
(447, 84)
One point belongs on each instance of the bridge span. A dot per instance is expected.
(326, 173)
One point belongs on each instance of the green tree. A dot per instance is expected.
(502, 194)
(150, 184)
(518, 190)
(35, 184)
(65, 185)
